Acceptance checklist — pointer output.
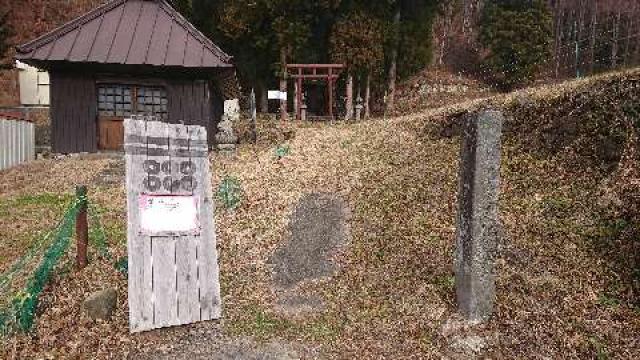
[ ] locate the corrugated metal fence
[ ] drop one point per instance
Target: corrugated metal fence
(17, 142)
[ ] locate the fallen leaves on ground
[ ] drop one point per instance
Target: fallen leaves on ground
(563, 289)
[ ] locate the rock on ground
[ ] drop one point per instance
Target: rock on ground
(101, 305)
(112, 174)
(317, 229)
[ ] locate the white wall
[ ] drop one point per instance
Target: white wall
(34, 85)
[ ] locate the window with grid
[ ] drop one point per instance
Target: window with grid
(125, 100)
(152, 101)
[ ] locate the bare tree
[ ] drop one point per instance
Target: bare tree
(615, 38)
(594, 31)
(283, 83)
(393, 69)
(448, 12)
(367, 96)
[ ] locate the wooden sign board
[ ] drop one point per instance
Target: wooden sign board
(173, 262)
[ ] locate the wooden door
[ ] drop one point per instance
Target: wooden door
(110, 133)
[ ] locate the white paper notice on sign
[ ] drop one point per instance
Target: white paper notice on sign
(168, 215)
(277, 95)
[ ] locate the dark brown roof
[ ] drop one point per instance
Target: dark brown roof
(131, 32)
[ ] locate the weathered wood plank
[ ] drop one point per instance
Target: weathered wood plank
(187, 280)
(185, 251)
(210, 302)
(164, 248)
(164, 281)
(139, 251)
(188, 284)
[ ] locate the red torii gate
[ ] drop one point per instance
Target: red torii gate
(301, 72)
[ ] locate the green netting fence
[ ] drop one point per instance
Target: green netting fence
(18, 310)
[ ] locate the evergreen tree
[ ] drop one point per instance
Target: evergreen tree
(408, 38)
(205, 16)
(265, 34)
(415, 43)
(357, 40)
(516, 35)
(184, 7)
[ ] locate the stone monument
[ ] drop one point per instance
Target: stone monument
(477, 231)
(226, 138)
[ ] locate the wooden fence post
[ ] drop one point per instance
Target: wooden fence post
(82, 228)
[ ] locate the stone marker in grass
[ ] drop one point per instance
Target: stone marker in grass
(477, 229)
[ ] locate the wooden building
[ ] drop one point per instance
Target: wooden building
(123, 58)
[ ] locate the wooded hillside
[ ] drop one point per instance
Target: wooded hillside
(588, 36)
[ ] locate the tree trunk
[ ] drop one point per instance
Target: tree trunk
(283, 82)
(614, 47)
(576, 51)
(627, 46)
(559, 35)
(393, 69)
(263, 102)
(367, 97)
(579, 55)
(466, 18)
(349, 100)
(448, 15)
(594, 30)
(636, 56)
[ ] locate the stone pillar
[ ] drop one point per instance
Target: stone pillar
(477, 230)
(254, 115)
(359, 108)
(349, 99)
(296, 99)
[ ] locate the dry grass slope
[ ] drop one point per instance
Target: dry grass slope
(568, 267)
